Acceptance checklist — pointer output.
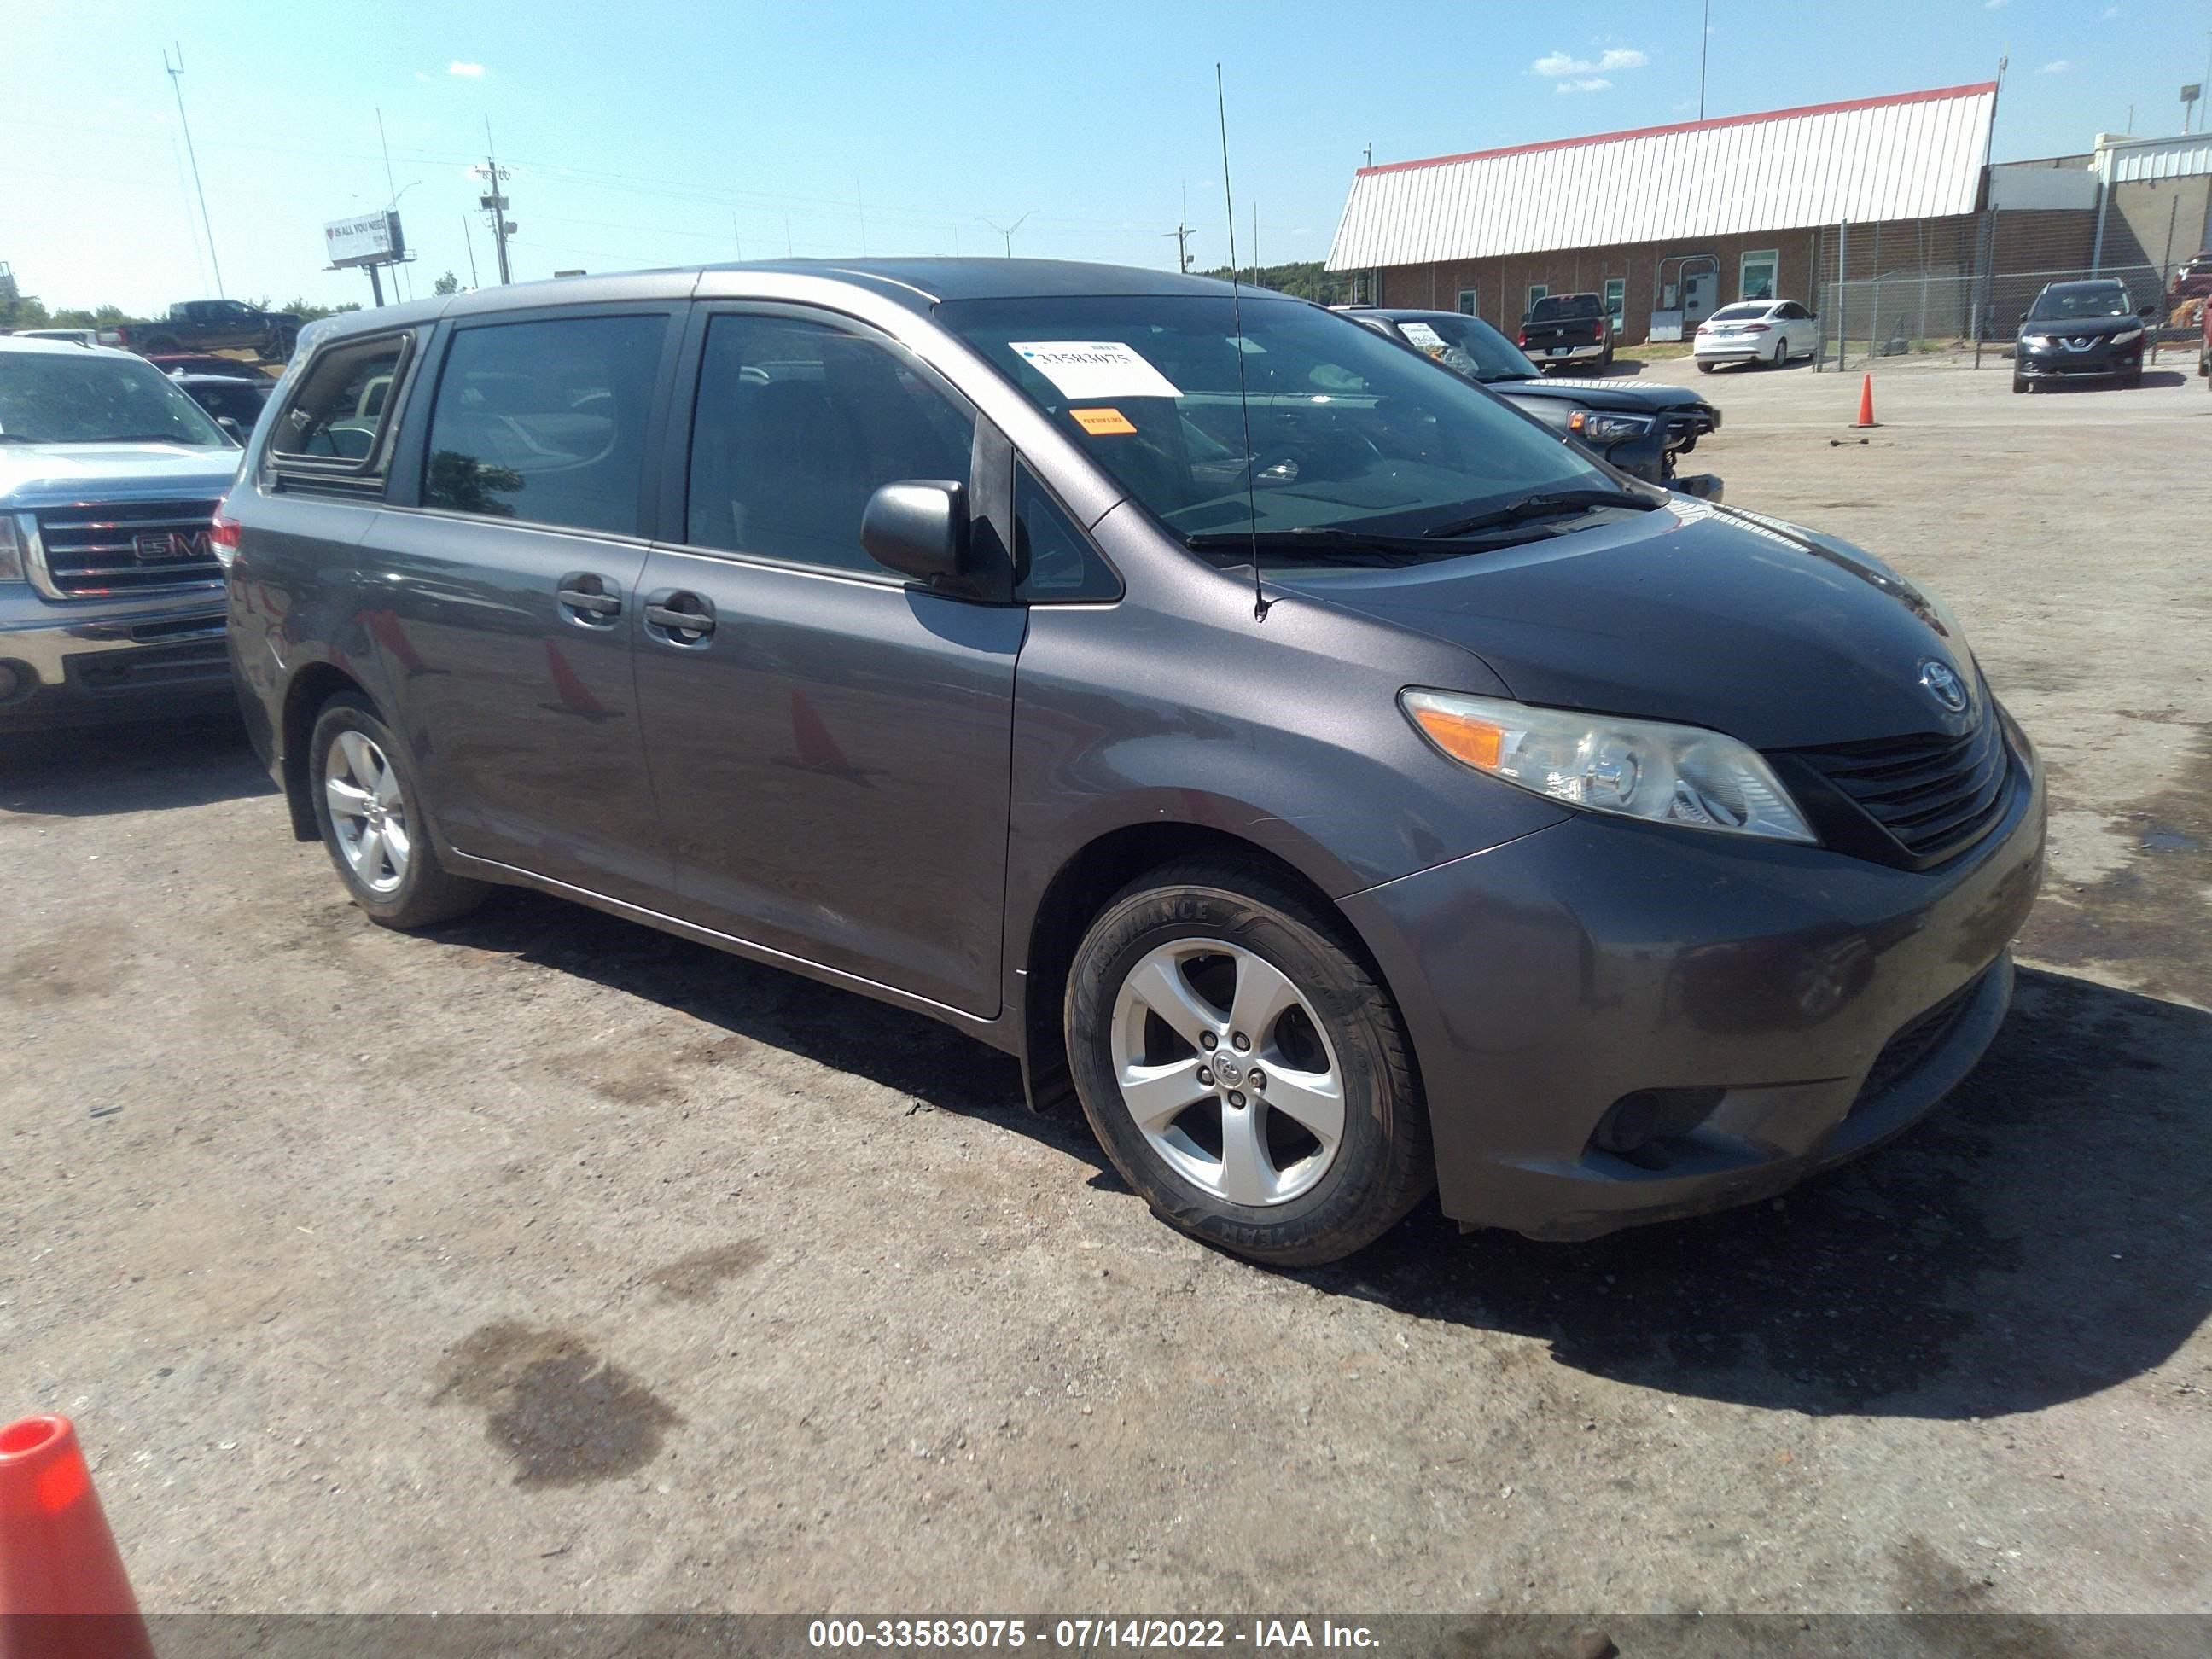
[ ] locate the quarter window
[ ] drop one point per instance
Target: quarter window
(798, 423)
(1053, 560)
(545, 422)
(335, 421)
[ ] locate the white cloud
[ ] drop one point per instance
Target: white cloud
(1553, 64)
(2110, 13)
(2056, 66)
(1991, 5)
(419, 76)
(469, 71)
(1589, 83)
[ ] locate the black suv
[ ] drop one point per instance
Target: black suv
(1336, 783)
(1643, 430)
(2081, 331)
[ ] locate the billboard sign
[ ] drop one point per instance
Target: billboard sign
(371, 239)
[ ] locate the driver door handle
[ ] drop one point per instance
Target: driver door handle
(603, 605)
(684, 618)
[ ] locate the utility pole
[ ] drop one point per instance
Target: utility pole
(1371, 156)
(176, 83)
(1256, 244)
(1182, 234)
(390, 205)
(1705, 41)
(493, 201)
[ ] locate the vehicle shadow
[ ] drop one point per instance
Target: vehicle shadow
(913, 1055)
(2041, 1237)
(91, 771)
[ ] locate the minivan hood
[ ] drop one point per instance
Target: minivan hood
(1695, 613)
(1600, 394)
(37, 475)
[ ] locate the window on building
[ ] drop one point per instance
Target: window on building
(798, 424)
(1469, 303)
(1537, 291)
(1616, 299)
(1758, 276)
(544, 422)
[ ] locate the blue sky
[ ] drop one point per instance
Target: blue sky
(646, 133)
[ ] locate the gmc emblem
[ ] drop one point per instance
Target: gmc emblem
(162, 546)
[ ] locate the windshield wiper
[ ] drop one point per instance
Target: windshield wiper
(1317, 541)
(1545, 504)
(18, 438)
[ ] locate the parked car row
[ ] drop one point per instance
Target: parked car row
(1130, 677)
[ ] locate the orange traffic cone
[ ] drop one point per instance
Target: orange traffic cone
(63, 1592)
(1866, 402)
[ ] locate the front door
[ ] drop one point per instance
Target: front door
(829, 746)
(504, 605)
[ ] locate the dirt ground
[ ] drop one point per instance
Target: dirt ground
(551, 1263)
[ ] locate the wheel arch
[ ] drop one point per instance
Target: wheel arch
(314, 685)
(1080, 890)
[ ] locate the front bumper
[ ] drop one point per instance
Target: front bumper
(1802, 1004)
(2098, 361)
(115, 663)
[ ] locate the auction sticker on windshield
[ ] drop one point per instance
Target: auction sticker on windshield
(1102, 422)
(1424, 337)
(1094, 368)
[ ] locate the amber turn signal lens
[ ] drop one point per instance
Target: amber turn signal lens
(1477, 742)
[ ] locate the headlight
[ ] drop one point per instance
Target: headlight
(1682, 775)
(11, 548)
(2127, 335)
(1595, 427)
(2035, 339)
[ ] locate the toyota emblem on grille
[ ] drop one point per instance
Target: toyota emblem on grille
(1943, 684)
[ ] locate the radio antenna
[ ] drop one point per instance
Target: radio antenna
(1260, 599)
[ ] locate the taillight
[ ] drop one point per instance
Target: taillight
(1523, 340)
(222, 537)
(1757, 328)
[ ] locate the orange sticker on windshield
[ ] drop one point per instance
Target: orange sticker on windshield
(1102, 422)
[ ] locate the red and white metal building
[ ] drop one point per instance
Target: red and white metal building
(1670, 222)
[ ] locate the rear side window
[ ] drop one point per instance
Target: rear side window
(334, 423)
(545, 422)
(798, 424)
(1053, 560)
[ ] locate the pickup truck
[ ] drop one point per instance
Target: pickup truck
(1644, 430)
(112, 588)
(1565, 328)
(215, 325)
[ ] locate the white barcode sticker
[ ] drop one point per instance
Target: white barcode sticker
(1094, 368)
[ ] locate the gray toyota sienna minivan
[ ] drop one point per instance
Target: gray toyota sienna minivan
(1338, 782)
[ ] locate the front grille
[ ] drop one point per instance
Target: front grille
(1934, 794)
(128, 547)
(1683, 427)
(1915, 1041)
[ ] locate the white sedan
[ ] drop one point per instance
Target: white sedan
(1770, 331)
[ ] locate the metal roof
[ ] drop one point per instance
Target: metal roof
(1913, 156)
(2132, 161)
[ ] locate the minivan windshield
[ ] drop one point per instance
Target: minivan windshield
(2057, 304)
(1350, 432)
(76, 398)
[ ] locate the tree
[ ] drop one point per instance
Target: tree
(447, 283)
(1305, 279)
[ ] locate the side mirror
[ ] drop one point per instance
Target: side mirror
(231, 426)
(2149, 313)
(918, 527)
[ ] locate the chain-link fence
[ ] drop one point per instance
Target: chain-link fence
(1961, 287)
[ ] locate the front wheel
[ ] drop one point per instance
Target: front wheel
(369, 806)
(1242, 1066)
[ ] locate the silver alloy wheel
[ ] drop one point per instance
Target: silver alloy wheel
(1210, 1106)
(367, 813)
(1781, 351)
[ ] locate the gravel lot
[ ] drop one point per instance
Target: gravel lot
(550, 1263)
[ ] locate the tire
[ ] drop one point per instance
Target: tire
(1605, 363)
(1781, 353)
(396, 881)
(2018, 384)
(160, 345)
(281, 345)
(1704, 369)
(1188, 937)
(2132, 376)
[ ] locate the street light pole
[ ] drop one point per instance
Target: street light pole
(177, 82)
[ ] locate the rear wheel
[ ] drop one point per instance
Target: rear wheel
(1781, 353)
(1703, 367)
(1242, 1066)
(160, 345)
(369, 807)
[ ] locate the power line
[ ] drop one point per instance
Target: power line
(176, 73)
